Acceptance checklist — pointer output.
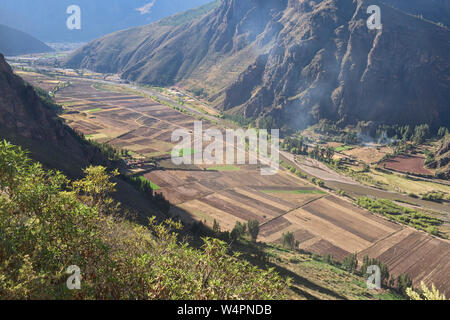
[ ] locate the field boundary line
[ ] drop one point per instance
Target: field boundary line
(294, 209)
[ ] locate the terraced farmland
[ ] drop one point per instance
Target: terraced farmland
(322, 223)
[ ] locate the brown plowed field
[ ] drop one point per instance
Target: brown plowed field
(407, 164)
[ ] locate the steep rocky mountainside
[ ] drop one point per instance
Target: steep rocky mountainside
(25, 121)
(14, 42)
(298, 61)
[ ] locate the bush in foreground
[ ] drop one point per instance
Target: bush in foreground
(48, 223)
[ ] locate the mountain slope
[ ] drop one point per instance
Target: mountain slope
(14, 42)
(433, 10)
(24, 120)
(297, 61)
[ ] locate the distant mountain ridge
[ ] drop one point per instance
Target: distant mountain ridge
(437, 11)
(14, 42)
(296, 61)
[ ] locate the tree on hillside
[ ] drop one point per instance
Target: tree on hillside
(421, 133)
(253, 229)
(442, 132)
(216, 227)
(330, 153)
(403, 282)
(238, 231)
(288, 240)
(350, 263)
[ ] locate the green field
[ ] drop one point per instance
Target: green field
(94, 110)
(343, 148)
(182, 152)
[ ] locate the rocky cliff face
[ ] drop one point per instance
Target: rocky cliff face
(25, 121)
(298, 61)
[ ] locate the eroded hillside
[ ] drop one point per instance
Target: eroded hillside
(297, 61)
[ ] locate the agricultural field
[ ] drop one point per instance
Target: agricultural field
(368, 155)
(407, 164)
(321, 222)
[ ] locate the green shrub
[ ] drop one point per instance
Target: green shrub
(394, 212)
(48, 223)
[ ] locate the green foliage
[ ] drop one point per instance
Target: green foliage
(433, 196)
(47, 100)
(238, 119)
(318, 182)
(401, 214)
(238, 231)
(421, 133)
(253, 229)
(199, 92)
(294, 170)
(350, 263)
(108, 151)
(442, 132)
(268, 123)
(288, 240)
(48, 223)
(140, 183)
(403, 283)
(295, 145)
(429, 155)
(425, 293)
(216, 227)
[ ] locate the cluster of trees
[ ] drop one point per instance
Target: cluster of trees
(400, 284)
(411, 217)
(417, 134)
(199, 92)
(435, 196)
(295, 145)
(48, 223)
(268, 122)
(251, 228)
(145, 186)
(294, 170)
(322, 153)
(47, 100)
(109, 151)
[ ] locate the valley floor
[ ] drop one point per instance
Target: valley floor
(322, 222)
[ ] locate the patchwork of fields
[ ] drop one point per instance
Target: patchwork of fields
(322, 223)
